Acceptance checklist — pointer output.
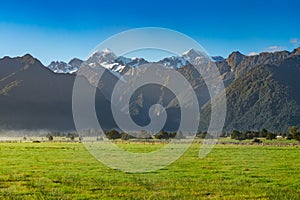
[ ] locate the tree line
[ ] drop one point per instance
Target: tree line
(114, 134)
(293, 133)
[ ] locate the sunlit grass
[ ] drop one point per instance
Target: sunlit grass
(68, 171)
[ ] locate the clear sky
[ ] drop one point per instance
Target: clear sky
(61, 30)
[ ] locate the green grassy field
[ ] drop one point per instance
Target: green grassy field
(67, 171)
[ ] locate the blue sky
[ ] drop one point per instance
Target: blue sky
(61, 30)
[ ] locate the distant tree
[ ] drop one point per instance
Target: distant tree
(172, 134)
(223, 134)
(294, 131)
(126, 136)
(179, 135)
(113, 135)
(162, 135)
(72, 137)
(234, 134)
(237, 135)
(271, 136)
(289, 136)
(250, 135)
(284, 135)
(297, 136)
(50, 138)
(256, 140)
(263, 133)
(201, 135)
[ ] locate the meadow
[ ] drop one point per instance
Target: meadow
(66, 170)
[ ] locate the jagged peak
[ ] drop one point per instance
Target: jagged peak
(99, 54)
(27, 55)
(236, 53)
(57, 62)
(28, 58)
(107, 50)
(191, 52)
(296, 51)
(235, 58)
(218, 58)
(75, 60)
(102, 52)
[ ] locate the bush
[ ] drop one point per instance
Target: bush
(297, 136)
(271, 136)
(165, 135)
(126, 136)
(289, 137)
(201, 135)
(50, 138)
(263, 133)
(113, 135)
(179, 135)
(256, 140)
(72, 137)
(294, 133)
(293, 130)
(162, 135)
(237, 135)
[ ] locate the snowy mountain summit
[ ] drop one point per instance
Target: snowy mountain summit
(110, 61)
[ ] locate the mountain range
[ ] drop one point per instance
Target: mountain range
(262, 90)
(115, 64)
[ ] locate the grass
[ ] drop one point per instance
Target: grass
(67, 171)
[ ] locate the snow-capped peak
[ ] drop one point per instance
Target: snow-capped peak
(103, 52)
(196, 57)
(191, 52)
(173, 62)
(107, 51)
(65, 68)
(102, 57)
(124, 60)
(108, 60)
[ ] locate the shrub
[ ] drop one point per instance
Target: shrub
(263, 133)
(126, 136)
(50, 138)
(179, 135)
(256, 140)
(201, 135)
(271, 136)
(165, 135)
(113, 134)
(294, 132)
(297, 136)
(237, 135)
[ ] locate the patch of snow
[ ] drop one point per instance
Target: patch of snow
(107, 59)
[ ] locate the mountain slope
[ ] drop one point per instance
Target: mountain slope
(32, 96)
(267, 96)
(262, 91)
